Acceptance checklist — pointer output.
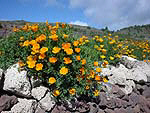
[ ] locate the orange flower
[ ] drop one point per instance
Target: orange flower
(21, 64)
(42, 56)
(39, 66)
(92, 73)
(56, 93)
(31, 64)
(53, 32)
(56, 50)
(52, 80)
(72, 91)
(87, 87)
(67, 60)
(104, 51)
(52, 60)
(78, 58)
(32, 42)
(82, 70)
(65, 36)
(54, 37)
(98, 70)
(35, 47)
(83, 61)
(43, 50)
(66, 46)
(34, 28)
(63, 71)
(105, 63)
(75, 43)
(63, 25)
(77, 50)
(98, 78)
(69, 51)
(41, 38)
(95, 63)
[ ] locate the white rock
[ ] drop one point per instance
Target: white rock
(144, 67)
(128, 61)
(47, 103)
(39, 92)
(137, 75)
(128, 87)
(119, 75)
(17, 82)
(107, 71)
(24, 106)
(1, 75)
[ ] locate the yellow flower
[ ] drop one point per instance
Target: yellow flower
(83, 61)
(101, 46)
(65, 36)
(26, 43)
(72, 91)
(63, 71)
(96, 93)
(52, 60)
(39, 66)
(56, 93)
(56, 50)
(109, 34)
(78, 58)
(101, 40)
(95, 63)
(95, 46)
(69, 51)
(31, 64)
(75, 43)
(42, 56)
(21, 38)
(67, 60)
(102, 56)
(105, 80)
(111, 58)
(43, 50)
(98, 70)
(52, 80)
(77, 50)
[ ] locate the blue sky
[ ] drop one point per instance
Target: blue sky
(115, 14)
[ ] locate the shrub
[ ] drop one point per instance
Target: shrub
(60, 61)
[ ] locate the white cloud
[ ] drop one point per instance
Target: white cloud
(79, 23)
(114, 13)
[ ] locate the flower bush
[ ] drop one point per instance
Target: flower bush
(67, 65)
(52, 54)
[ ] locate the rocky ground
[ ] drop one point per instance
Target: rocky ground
(128, 92)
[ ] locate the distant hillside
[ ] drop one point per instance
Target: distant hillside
(135, 32)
